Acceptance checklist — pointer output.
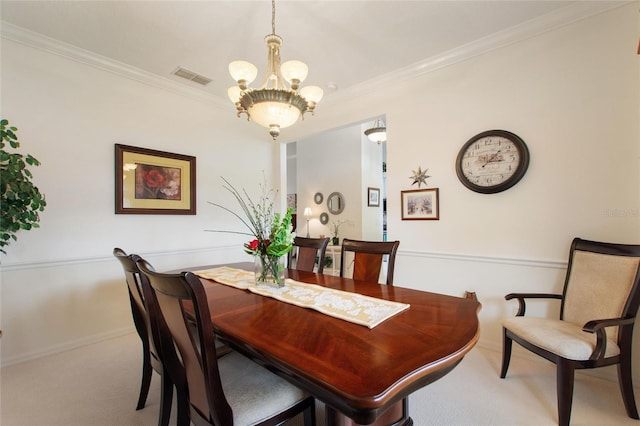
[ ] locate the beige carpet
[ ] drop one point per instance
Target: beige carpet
(99, 384)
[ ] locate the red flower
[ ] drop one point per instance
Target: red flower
(153, 178)
(253, 245)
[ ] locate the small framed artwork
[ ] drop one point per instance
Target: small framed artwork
(373, 195)
(154, 182)
(292, 201)
(420, 204)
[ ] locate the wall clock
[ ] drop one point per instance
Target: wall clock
(492, 161)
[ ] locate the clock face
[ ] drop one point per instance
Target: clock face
(492, 161)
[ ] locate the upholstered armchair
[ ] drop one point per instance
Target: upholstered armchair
(598, 307)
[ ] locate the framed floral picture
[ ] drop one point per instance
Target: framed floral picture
(154, 182)
(420, 204)
(373, 197)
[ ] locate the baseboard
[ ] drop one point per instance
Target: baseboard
(67, 346)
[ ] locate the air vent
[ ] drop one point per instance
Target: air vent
(190, 75)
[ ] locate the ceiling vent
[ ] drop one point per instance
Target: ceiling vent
(190, 75)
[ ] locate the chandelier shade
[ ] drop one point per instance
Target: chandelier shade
(313, 94)
(273, 105)
(243, 72)
(295, 72)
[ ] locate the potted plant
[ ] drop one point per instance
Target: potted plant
(21, 200)
(335, 240)
(272, 233)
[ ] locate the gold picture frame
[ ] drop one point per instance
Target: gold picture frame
(154, 182)
(420, 204)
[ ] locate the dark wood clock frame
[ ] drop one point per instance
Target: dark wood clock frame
(521, 168)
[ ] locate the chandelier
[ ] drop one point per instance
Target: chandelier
(273, 105)
(378, 133)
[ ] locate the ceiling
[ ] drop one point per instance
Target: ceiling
(345, 43)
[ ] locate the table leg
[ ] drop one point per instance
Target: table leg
(396, 415)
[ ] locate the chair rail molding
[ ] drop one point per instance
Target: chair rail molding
(485, 259)
(101, 259)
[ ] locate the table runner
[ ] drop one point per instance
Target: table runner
(238, 278)
(352, 307)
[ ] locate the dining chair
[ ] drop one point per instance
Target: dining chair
(368, 258)
(306, 251)
(151, 359)
(221, 391)
(598, 306)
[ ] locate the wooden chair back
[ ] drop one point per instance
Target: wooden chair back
(194, 340)
(306, 250)
(151, 356)
(185, 331)
(368, 258)
(138, 309)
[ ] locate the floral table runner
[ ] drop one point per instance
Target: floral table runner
(238, 278)
(352, 307)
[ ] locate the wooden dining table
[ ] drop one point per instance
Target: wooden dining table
(363, 376)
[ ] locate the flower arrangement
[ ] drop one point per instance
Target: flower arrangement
(272, 233)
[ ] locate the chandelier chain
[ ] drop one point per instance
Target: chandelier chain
(273, 17)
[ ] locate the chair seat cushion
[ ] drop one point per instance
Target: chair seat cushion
(254, 393)
(559, 337)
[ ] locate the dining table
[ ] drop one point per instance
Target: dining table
(362, 374)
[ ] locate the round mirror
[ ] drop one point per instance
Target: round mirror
(324, 218)
(318, 198)
(335, 203)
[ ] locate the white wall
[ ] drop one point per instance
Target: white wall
(371, 163)
(571, 94)
(292, 176)
(326, 163)
(60, 284)
(341, 160)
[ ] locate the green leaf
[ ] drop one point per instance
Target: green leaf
(21, 201)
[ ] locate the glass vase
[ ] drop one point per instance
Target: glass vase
(269, 270)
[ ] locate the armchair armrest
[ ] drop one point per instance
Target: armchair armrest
(598, 326)
(522, 296)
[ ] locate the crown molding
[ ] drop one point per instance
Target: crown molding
(575, 12)
(29, 38)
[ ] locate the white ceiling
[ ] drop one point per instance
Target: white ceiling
(345, 43)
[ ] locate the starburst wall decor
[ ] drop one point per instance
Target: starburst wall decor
(419, 177)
